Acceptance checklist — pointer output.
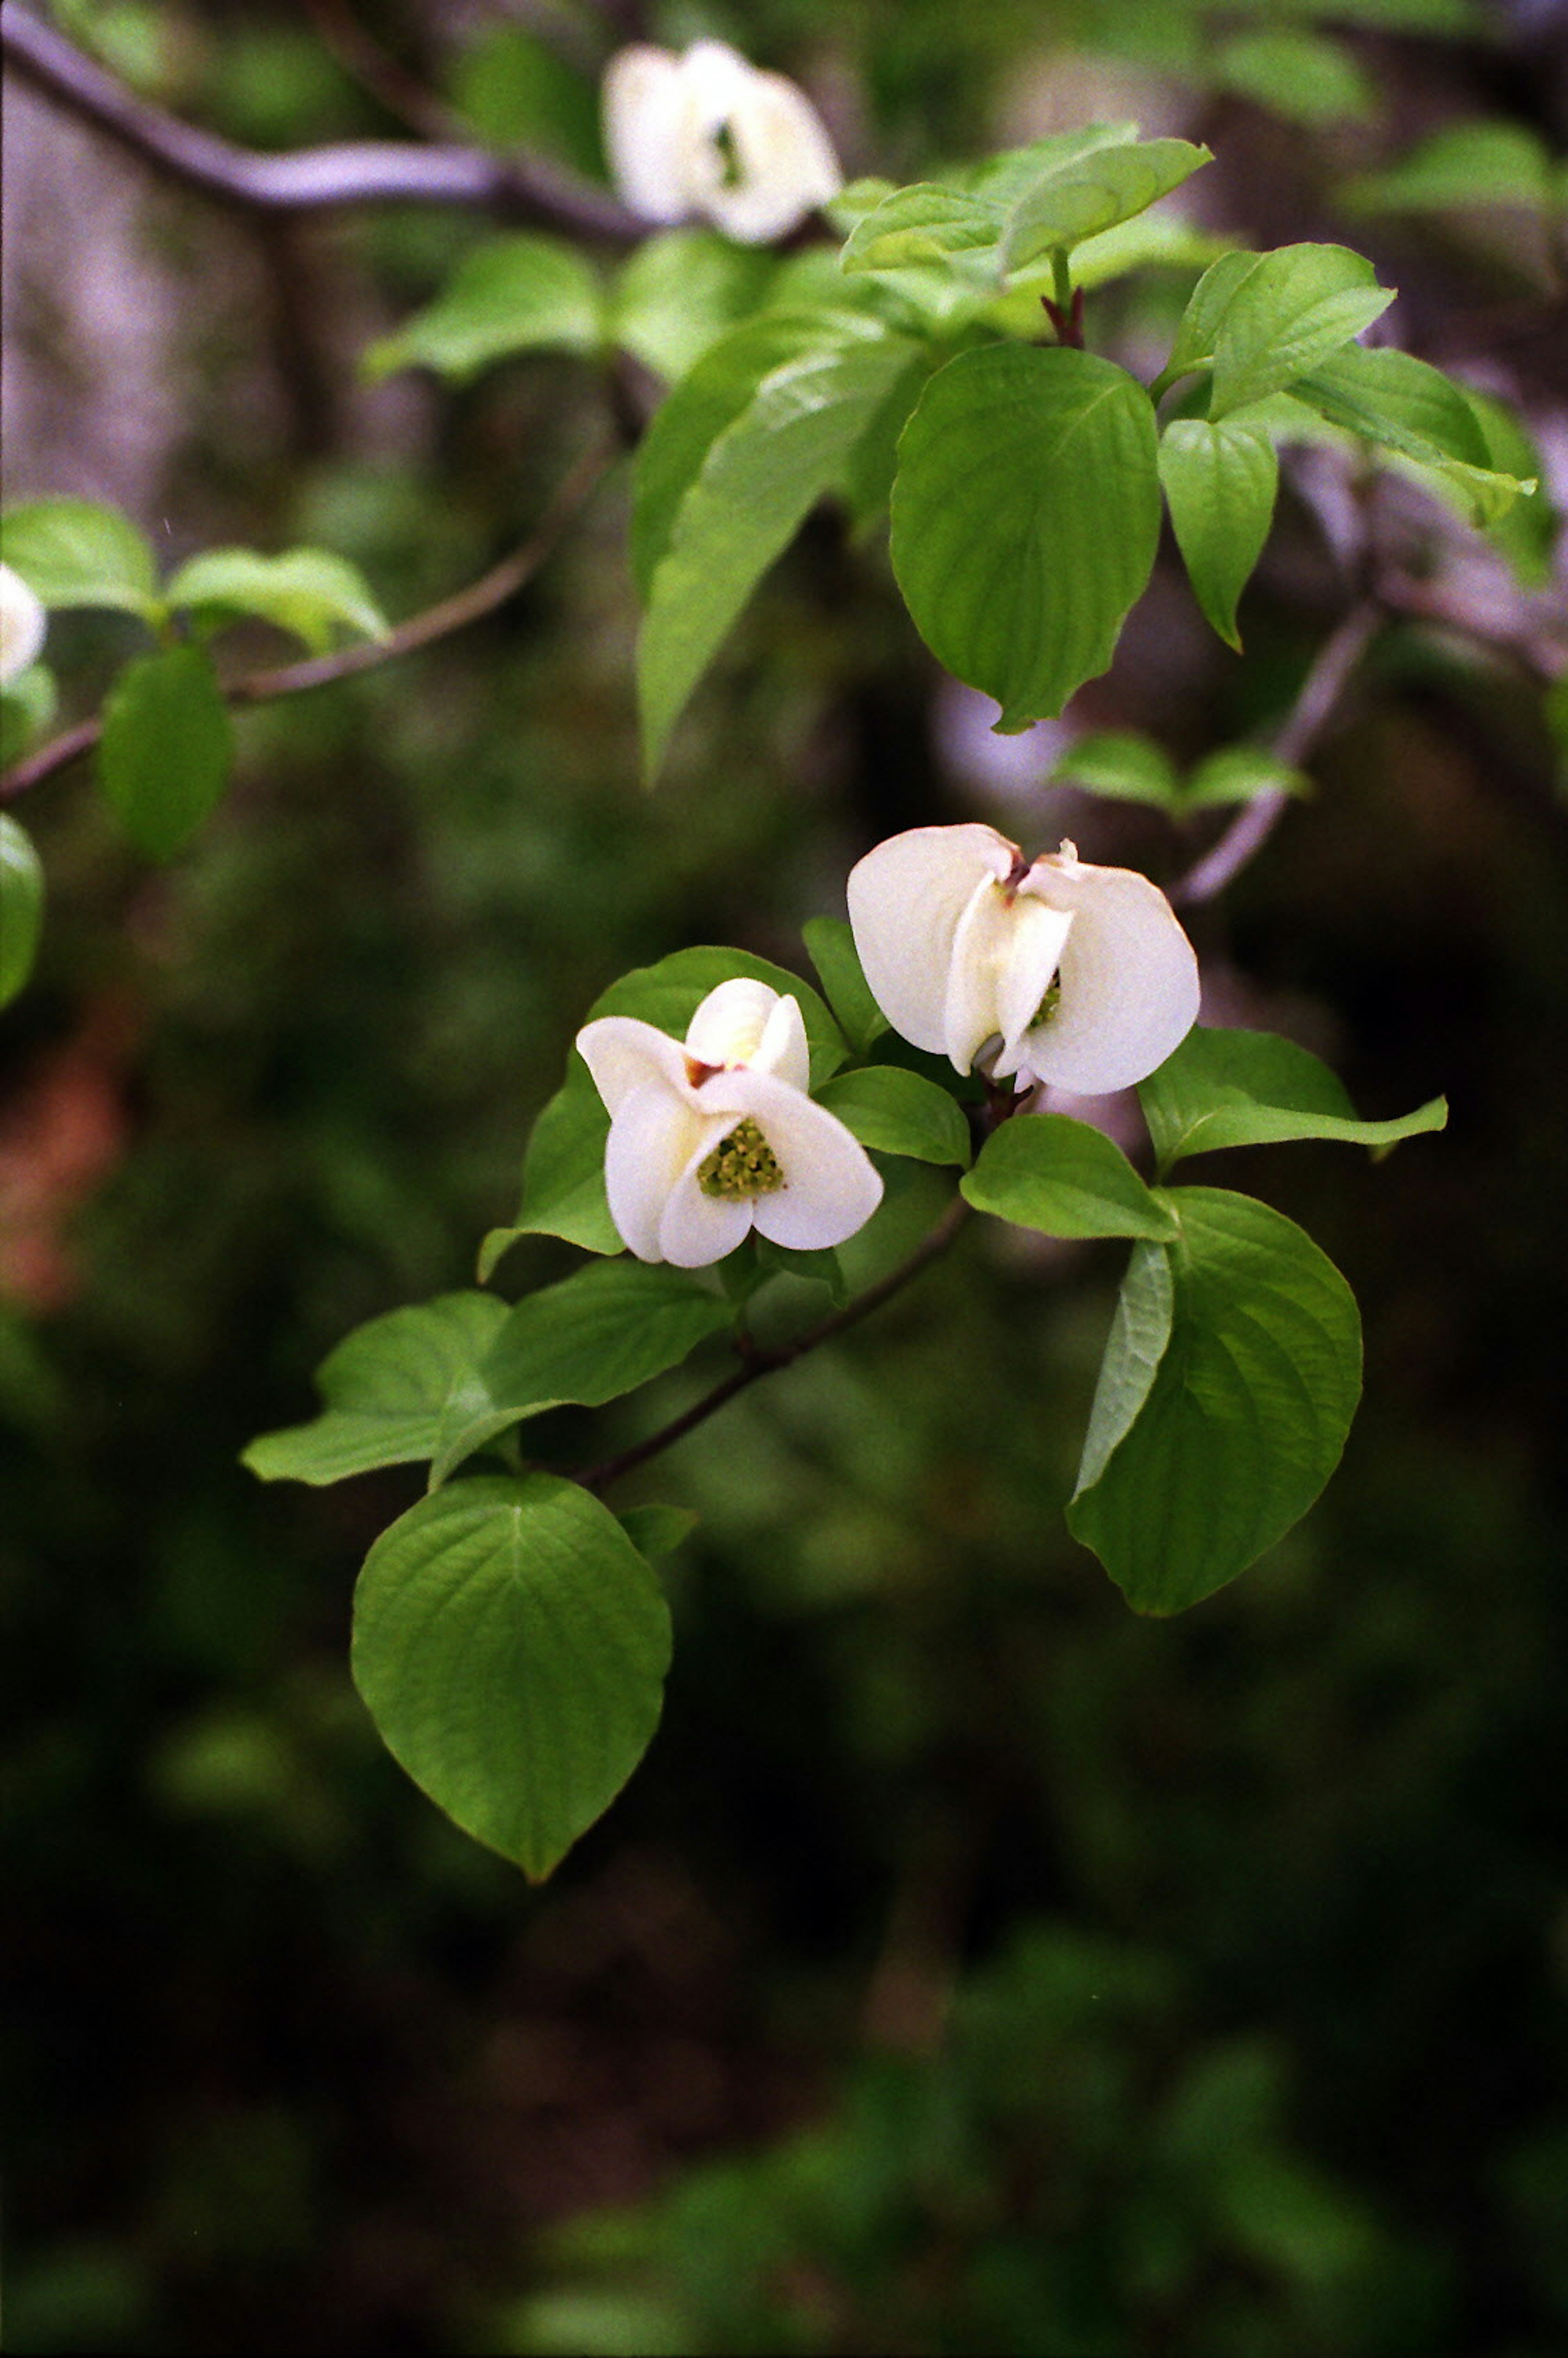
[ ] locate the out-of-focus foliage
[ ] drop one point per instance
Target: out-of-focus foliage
(974, 1964)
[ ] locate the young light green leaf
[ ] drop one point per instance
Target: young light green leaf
(924, 223)
(1249, 1088)
(680, 292)
(78, 553)
(167, 744)
(308, 591)
(1404, 405)
(1245, 1417)
(21, 906)
(1094, 193)
(1286, 316)
(1207, 307)
(600, 1332)
(1465, 164)
(1025, 518)
(830, 944)
(511, 1644)
(1297, 74)
(1139, 1333)
(522, 293)
(757, 484)
(1010, 175)
(1123, 766)
(385, 1387)
(1526, 532)
(1220, 482)
(1239, 774)
(1045, 1170)
(898, 1112)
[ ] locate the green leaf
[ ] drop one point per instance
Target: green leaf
(27, 705)
(1526, 532)
(830, 944)
(1011, 173)
(680, 292)
(21, 906)
(386, 1387)
(600, 1332)
(516, 90)
(1249, 1088)
(1025, 519)
(308, 591)
(1288, 313)
(511, 1645)
(1467, 164)
(1206, 306)
(520, 293)
(76, 553)
(164, 754)
(1219, 481)
(1123, 766)
(563, 1173)
(1095, 192)
(898, 1112)
(1298, 75)
(1139, 1333)
(1246, 1415)
(1404, 405)
(657, 1532)
(794, 442)
(924, 223)
(1045, 1170)
(1239, 774)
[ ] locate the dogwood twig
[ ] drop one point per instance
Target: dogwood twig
(439, 621)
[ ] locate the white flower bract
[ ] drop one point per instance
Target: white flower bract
(1083, 975)
(705, 134)
(715, 1135)
(23, 623)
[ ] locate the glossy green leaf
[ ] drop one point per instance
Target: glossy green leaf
(308, 591)
(1286, 316)
(924, 224)
(1025, 518)
(511, 1645)
(1094, 193)
(1239, 774)
(1464, 165)
(1249, 1088)
(1207, 307)
(21, 906)
(79, 553)
(793, 442)
(563, 1173)
(1123, 766)
(167, 748)
(515, 293)
(1009, 174)
(1526, 531)
(1220, 480)
(1139, 1333)
(1297, 74)
(680, 292)
(386, 1388)
(898, 1112)
(1406, 406)
(600, 1332)
(1045, 1170)
(830, 946)
(1246, 1413)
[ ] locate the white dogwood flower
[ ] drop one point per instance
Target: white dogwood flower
(711, 1136)
(22, 627)
(1082, 974)
(705, 134)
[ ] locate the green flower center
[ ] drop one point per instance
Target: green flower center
(1047, 1007)
(742, 1164)
(730, 173)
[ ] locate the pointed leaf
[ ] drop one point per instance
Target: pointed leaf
(1025, 518)
(924, 223)
(1045, 1170)
(830, 944)
(386, 1387)
(1404, 404)
(1206, 306)
(523, 293)
(308, 591)
(1220, 480)
(1092, 195)
(79, 553)
(1287, 315)
(511, 1644)
(167, 744)
(898, 1112)
(1006, 177)
(1139, 1333)
(1246, 1413)
(21, 906)
(1248, 1089)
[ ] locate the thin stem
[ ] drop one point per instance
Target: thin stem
(1315, 703)
(439, 621)
(366, 171)
(759, 1363)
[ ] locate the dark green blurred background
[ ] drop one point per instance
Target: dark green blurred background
(971, 1966)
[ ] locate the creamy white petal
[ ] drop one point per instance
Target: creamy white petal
(23, 623)
(648, 135)
(831, 1185)
(782, 165)
(906, 900)
(696, 1229)
(980, 945)
(729, 1025)
(653, 1138)
(623, 1054)
(1128, 978)
(1036, 937)
(784, 1047)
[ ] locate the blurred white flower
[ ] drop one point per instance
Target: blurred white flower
(1083, 975)
(713, 1137)
(22, 625)
(705, 134)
